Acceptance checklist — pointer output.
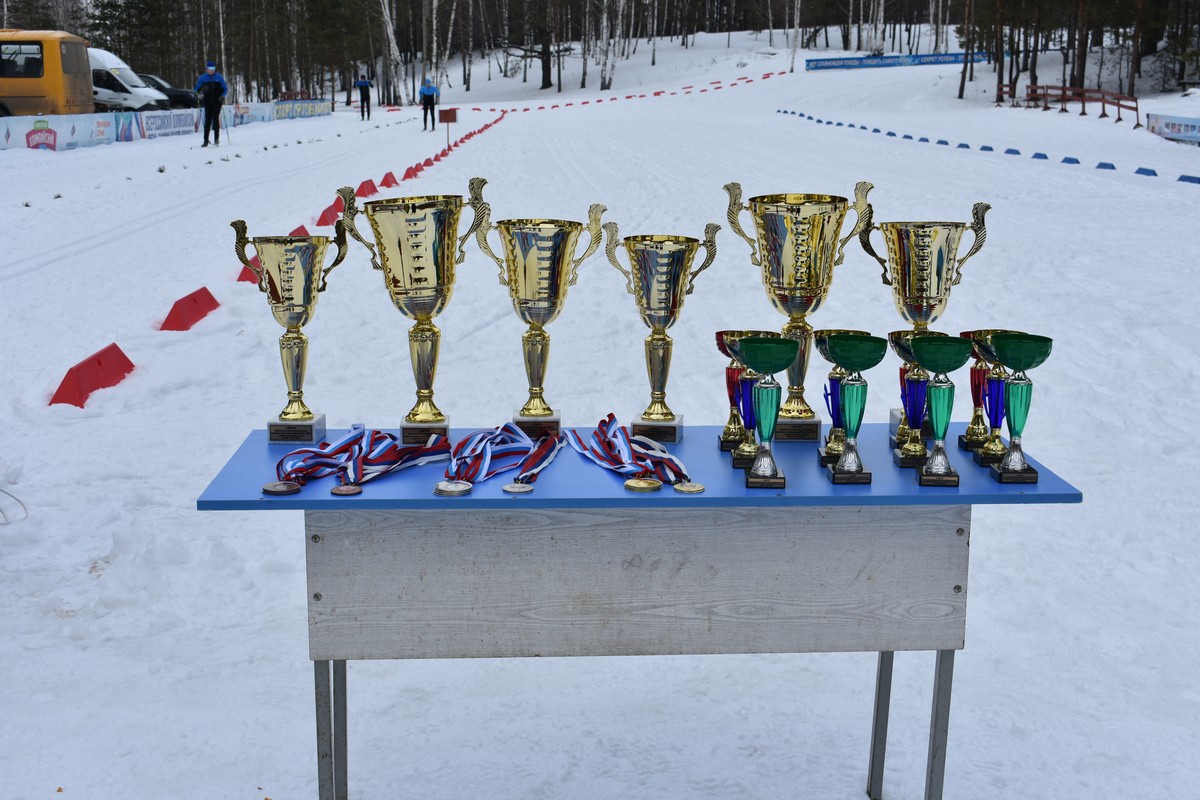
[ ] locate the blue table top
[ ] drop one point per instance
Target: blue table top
(572, 481)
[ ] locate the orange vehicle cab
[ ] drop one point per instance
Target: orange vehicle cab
(44, 72)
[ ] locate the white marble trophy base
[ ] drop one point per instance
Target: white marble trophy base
(419, 432)
(290, 432)
(537, 427)
(661, 432)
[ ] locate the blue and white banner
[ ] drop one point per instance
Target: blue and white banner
(1179, 129)
(860, 62)
(176, 122)
(292, 109)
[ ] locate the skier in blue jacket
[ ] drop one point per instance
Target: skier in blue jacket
(364, 96)
(429, 98)
(211, 87)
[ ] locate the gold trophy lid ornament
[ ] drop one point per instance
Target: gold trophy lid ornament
(660, 278)
(291, 272)
(538, 266)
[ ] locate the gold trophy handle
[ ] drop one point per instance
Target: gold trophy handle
(977, 212)
(610, 250)
(462, 240)
(339, 238)
(350, 210)
(595, 211)
(710, 252)
(864, 239)
(239, 246)
(483, 223)
(863, 211)
(734, 190)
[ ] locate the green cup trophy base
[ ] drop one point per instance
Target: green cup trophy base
(537, 427)
(763, 482)
(836, 477)
(908, 462)
(950, 479)
(740, 461)
(296, 431)
(1028, 475)
(825, 458)
(797, 430)
(970, 445)
(662, 432)
(986, 459)
(419, 432)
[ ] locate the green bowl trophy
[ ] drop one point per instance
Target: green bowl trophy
(744, 454)
(992, 449)
(796, 247)
(835, 440)
(912, 421)
(734, 432)
(922, 266)
(289, 272)
(1019, 352)
(417, 247)
(766, 356)
(854, 353)
(659, 278)
(941, 355)
(539, 264)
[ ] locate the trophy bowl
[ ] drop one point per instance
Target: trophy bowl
(797, 244)
(417, 248)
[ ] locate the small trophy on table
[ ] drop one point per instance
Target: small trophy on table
(835, 440)
(1019, 352)
(854, 353)
(766, 356)
(940, 355)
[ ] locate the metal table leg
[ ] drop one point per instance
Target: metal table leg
(879, 725)
(340, 771)
(939, 725)
(331, 729)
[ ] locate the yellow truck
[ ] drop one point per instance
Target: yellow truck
(44, 72)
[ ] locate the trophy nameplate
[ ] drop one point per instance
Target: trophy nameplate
(937, 480)
(847, 477)
(537, 427)
(1027, 475)
(419, 432)
(662, 432)
(296, 432)
(798, 430)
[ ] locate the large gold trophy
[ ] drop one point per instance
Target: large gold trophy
(417, 247)
(922, 266)
(292, 277)
(797, 247)
(659, 278)
(539, 264)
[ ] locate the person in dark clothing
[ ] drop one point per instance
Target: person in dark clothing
(211, 88)
(429, 98)
(364, 96)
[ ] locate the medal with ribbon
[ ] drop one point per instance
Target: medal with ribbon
(361, 455)
(648, 462)
(488, 452)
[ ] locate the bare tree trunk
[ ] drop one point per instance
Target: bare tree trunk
(795, 33)
(389, 27)
(1135, 47)
(998, 49)
(967, 47)
(1081, 44)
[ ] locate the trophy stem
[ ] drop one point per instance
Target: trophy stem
(745, 453)
(766, 410)
(734, 431)
(293, 352)
(535, 347)
(977, 428)
(796, 407)
(849, 461)
(423, 341)
(658, 366)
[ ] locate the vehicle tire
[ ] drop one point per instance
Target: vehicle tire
(3, 111)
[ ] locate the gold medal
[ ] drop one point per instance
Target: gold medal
(346, 489)
(689, 487)
(643, 484)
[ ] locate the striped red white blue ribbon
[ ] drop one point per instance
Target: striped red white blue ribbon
(484, 453)
(611, 446)
(361, 455)
(539, 458)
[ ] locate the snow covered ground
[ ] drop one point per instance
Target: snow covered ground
(149, 650)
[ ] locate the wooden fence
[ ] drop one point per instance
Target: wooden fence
(1043, 97)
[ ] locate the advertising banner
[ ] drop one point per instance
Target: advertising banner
(57, 132)
(176, 122)
(293, 109)
(861, 62)
(1179, 129)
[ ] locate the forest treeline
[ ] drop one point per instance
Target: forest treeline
(267, 47)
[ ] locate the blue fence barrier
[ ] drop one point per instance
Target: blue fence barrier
(861, 62)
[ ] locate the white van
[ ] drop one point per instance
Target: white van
(116, 86)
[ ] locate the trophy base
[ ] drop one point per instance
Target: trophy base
(797, 430)
(729, 445)
(309, 432)
(763, 482)
(537, 427)
(937, 480)
(825, 458)
(1028, 475)
(970, 444)
(908, 462)
(742, 462)
(836, 477)
(985, 460)
(419, 432)
(661, 432)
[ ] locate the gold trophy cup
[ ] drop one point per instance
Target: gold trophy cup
(797, 247)
(922, 266)
(292, 277)
(417, 247)
(659, 279)
(539, 264)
